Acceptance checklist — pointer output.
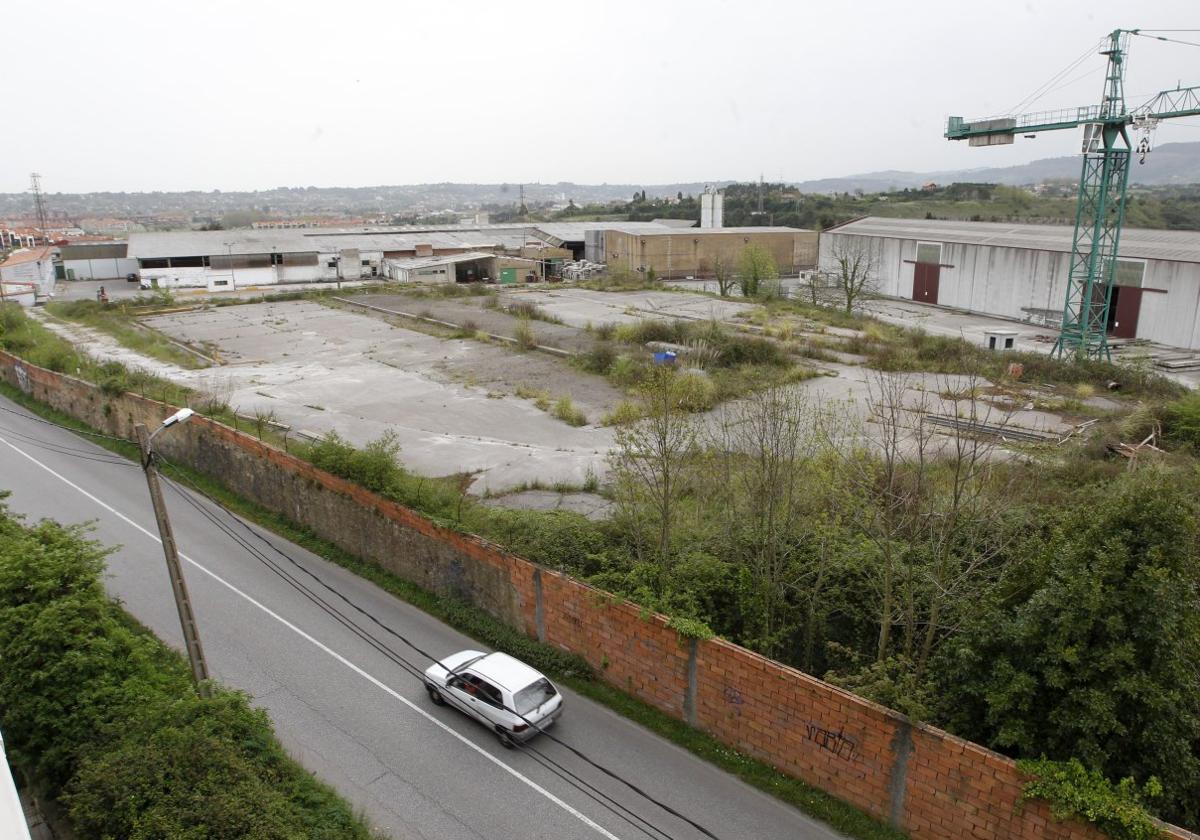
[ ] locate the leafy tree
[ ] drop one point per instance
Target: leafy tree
(1099, 659)
(755, 266)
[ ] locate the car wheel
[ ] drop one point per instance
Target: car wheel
(506, 740)
(436, 697)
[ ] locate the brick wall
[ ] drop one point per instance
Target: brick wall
(933, 785)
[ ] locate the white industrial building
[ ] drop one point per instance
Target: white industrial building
(95, 261)
(220, 260)
(30, 270)
(1021, 271)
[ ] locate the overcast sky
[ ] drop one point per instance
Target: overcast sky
(208, 95)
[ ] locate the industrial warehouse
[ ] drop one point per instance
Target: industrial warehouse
(227, 260)
(1020, 271)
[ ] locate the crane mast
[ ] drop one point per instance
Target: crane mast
(1103, 183)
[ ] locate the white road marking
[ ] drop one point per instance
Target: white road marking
(508, 769)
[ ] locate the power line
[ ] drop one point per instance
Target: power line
(29, 416)
(1142, 33)
(1041, 90)
(115, 460)
(401, 637)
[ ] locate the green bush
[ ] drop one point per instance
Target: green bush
(599, 359)
(374, 466)
(104, 715)
(1182, 420)
(1074, 792)
(693, 391)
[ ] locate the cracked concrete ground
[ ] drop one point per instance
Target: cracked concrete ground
(321, 369)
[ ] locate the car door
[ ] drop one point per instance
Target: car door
(477, 697)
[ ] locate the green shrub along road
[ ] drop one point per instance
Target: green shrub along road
(105, 717)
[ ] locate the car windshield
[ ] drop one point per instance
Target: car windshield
(531, 696)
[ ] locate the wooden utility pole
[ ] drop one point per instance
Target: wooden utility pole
(187, 621)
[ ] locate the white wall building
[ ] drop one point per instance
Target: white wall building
(1021, 271)
(33, 267)
(96, 261)
(220, 260)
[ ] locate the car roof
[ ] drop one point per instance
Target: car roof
(505, 671)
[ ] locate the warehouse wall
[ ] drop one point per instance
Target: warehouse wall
(690, 253)
(1026, 284)
(933, 785)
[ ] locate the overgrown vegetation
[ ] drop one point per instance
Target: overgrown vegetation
(1074, 792)
(713, 363)
(119, 320)
(104, 715)
(1045, 608)
(25, 337)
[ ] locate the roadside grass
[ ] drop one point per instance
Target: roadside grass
(25, 337)
(569, 669)
(119, 320)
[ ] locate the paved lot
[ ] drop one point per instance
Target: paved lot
(321, 369)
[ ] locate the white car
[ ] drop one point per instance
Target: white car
(502, 693)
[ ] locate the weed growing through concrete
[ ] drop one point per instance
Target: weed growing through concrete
(566, 411)
(525, 336)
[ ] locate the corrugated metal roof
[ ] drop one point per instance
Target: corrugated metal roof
(1177, 245)
(666, 231)
(207, 243)
(427, 262)
(577, 231)
(191, 243)
(439, 240)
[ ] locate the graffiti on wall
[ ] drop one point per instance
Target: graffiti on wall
(22, 377)
(838, 742)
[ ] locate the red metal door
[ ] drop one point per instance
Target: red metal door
(1127, 305)
(925, 282)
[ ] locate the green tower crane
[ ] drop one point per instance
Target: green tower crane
(1100, 211)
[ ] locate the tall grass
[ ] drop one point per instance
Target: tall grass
(119, 321)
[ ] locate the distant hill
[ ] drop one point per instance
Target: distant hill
(1170, 163)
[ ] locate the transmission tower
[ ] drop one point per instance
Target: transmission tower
(39, 203)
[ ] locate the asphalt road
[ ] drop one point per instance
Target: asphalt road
(346, 710)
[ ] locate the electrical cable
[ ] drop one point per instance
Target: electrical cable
(37, 419)
(1142, 33)
(1041, 90)
(391, 631)
(115, 460)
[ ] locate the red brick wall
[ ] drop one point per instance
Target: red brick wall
(935, 786)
